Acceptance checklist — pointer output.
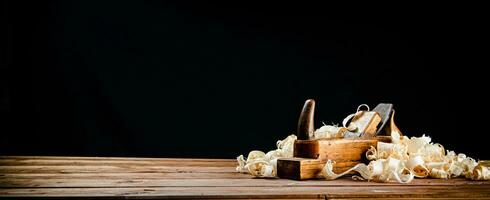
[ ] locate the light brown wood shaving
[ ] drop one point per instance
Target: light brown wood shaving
(260, 164)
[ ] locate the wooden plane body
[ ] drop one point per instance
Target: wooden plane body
(310, 156)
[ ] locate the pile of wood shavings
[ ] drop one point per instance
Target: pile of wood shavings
(406, 158)
(401, 160)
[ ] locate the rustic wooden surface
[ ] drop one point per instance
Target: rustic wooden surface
(154, 178)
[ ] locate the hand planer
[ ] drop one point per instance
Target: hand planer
(310, 154)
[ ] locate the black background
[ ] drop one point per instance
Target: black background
(195, 79)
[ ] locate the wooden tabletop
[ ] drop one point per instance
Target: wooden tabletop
(154, 178)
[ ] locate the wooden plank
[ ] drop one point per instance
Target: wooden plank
(81, 158)
(51, 162)
(112, 169)
(216, 182)
(223, 175)
(255, 192)
(182, 175)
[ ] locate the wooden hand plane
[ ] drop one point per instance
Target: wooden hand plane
(310, 154)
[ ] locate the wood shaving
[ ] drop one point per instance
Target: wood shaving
(329, 131)
(328, 173)
(352, 126)
(260, 164)
(481, 171)
(416, 165)
(381, 170)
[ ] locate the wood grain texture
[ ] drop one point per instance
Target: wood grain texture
(155, 178)
(299, 168)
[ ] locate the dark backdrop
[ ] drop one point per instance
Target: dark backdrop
(195, 79)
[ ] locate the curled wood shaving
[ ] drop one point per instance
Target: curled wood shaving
(352, 126)
(385, 150)
(329, 131)
(382, 170)
(481, 171)
(262, 164)
(328, 173)
(416, 165)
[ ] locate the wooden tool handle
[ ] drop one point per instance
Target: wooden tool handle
(306, 125)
